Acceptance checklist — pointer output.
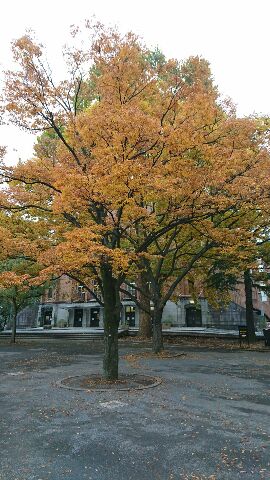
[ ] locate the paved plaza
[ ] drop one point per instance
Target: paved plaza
(208, 419)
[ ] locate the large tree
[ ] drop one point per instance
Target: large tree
(210, 254)
(136, 148)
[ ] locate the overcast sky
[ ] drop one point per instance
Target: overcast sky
(233, 35)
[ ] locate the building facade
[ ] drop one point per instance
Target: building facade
(68, 304)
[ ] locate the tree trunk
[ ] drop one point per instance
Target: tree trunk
(249, 306)
(145, 323)
(111, 323)
(157, 330)
(13, 328)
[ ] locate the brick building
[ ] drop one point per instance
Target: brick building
(67, 304)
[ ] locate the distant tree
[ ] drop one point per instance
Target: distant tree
(248, 267)
(16, 291)
(20, 240)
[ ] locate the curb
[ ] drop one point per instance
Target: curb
(156, 381)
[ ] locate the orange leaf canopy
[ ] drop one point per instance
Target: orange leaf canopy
(136, 147)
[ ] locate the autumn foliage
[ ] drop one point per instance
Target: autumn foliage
(140, 165)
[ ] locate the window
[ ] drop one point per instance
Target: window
(130, 309)
(263, 296)
(50, 293)
(131, 289)
(81, 292)
(96, 289)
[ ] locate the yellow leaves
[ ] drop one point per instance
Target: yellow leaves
(12, 279)
(146, 146)
(79, 247)
(83, 251)
(122, 66)
(15, 243)
(25, 46)
(40, 169)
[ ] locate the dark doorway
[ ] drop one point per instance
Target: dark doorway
(193, 317)
(46, 317)
(94, 317)
(78, 316)
(130, 316)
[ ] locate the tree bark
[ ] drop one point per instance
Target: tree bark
(145, 325)
(112, 306)
(13, 328)
(249, 306)
(145, 322)
(157, 346)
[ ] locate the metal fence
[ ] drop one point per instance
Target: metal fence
(231, 317)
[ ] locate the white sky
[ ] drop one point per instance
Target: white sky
(232, 34)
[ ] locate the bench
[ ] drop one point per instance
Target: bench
(266, 333)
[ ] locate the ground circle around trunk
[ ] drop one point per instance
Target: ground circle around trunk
(97, 383)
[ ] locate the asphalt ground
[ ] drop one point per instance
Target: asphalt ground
(209, 419)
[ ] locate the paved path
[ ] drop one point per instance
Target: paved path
(208, 420)
(174, 331)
